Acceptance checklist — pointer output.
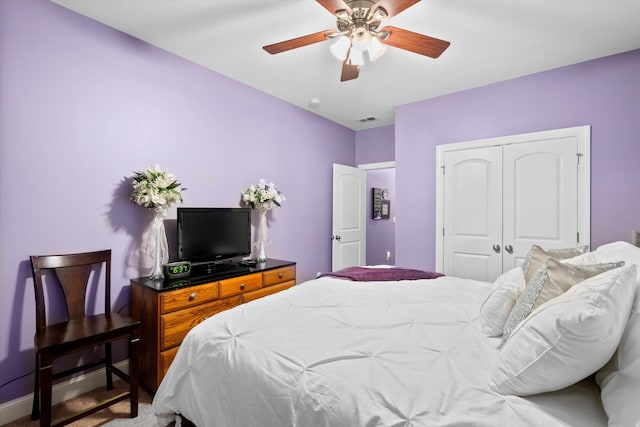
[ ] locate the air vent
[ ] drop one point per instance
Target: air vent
(367, 119)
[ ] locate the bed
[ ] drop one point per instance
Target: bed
(335, 352)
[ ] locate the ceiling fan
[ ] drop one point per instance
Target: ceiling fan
(358, 22)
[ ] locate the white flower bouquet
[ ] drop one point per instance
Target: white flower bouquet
(156, 189)
(263, 195)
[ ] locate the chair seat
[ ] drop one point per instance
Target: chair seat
(87, 332)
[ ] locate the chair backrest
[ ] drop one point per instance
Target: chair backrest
(73, 272)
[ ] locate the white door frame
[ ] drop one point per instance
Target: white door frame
(583, 136)
(380, 165)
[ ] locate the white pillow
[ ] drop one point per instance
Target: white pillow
(618, 251)
(619, 379)
(496, 307)
(567, 338)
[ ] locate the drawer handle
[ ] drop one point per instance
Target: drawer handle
(243, 286)
(280, 275)
(193, 296)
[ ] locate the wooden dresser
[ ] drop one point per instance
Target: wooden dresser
(169, 309)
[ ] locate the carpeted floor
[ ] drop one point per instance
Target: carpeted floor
(113, 416)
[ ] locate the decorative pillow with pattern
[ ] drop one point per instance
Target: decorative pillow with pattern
(537, 256)
(551, 280)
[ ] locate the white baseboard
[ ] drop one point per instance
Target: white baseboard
(21, 407)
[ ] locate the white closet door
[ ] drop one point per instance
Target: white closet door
(541, 188)
(540, 197)
(473, 213)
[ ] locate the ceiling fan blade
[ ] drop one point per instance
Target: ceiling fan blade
(320, 36)
(349, 72)
(394, 7)
(414, 42)
(333, 5)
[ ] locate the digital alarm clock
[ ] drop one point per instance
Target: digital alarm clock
(175, 270)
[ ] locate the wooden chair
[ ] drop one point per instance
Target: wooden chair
(79, 331)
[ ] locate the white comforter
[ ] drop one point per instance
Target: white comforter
(331, 352)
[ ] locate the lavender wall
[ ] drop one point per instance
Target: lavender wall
(375, 145)
(381, 235)
(603, 93)
(83, 106)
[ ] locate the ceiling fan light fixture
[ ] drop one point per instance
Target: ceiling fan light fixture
(356, 57)
(376, 49)
(340, 48)
(361, 39)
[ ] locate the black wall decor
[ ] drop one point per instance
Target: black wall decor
(381, 206)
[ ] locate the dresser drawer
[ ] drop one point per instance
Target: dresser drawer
(267, 291)
(188, 297)
(174, 326)
(166, 358)
(240, 285)
(278, 275)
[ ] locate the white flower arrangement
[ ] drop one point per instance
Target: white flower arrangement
(154, 188)
(263, 195)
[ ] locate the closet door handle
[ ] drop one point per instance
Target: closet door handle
(509, 249)
(496, 248)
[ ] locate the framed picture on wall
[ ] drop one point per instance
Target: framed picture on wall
(385, 209)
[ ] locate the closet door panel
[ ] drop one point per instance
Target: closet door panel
(473, 219)
(540, 202)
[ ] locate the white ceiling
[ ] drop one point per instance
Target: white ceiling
(491, 40)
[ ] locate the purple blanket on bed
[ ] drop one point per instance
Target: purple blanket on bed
(364, 274)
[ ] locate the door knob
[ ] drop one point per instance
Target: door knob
(338, 237)
(496, 248)
(509, 249)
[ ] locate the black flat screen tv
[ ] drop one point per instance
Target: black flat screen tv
(213, 234)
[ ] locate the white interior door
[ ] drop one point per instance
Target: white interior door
(540, 197)
(473, 213)
(349, 231)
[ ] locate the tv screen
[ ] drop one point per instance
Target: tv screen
(213, 234)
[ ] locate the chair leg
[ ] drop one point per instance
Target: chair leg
(107, 355)
(46, 384)
(134, 361)
(35, 408)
